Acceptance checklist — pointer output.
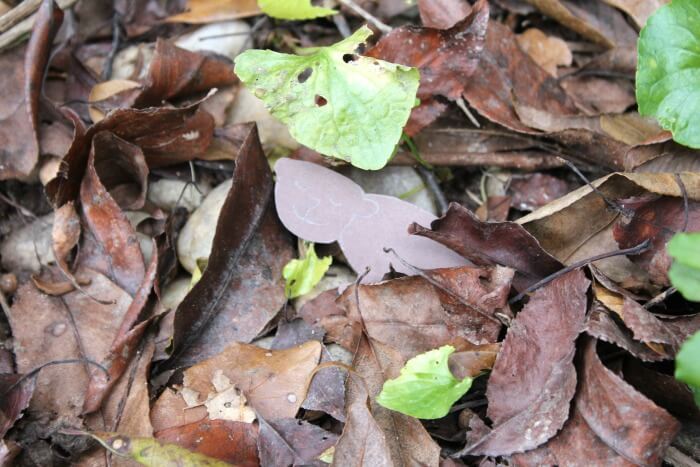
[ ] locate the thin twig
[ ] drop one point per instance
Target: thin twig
(342, 24)
(684, 193)
(434, 188)
(116, 43)
(34, 371)
(462, 105)
(384, 28)
(660, 297)
(629, 251)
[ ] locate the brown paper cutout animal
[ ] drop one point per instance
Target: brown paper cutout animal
(322, 206)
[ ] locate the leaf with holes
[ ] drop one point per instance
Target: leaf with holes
(302, 275)
(668, 70)
(334, 101)
(293, 9)
(425, 388)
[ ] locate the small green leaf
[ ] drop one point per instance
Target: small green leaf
(302, 275)
(668, 70)
(425, 388)
(334, 101)
(688, 365)
(684, 274)
(293, 9)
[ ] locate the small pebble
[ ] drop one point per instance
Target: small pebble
(8, 283)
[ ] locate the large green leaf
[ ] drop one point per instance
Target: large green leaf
(334, 101)
(688, 364)
(684, 274)
(668, 70)
(293, 9)
(301, 275)
(425, 388)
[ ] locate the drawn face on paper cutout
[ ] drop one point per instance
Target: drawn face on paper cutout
(320, 205)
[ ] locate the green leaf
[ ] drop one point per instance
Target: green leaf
(425, 388)
(684, 274)
(334, 101)
(302, 275)
(668, 70)
(688, 364)
(293, 9)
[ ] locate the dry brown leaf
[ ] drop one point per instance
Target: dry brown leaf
(211, 11)
(275, 382)
(105, 90)
(549, 52)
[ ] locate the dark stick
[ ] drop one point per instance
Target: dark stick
(629, 251)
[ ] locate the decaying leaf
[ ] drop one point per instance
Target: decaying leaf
(298, 91)
(274, 382)
(489, 243)
(15, 393)
(216, 311)
(534, 379)
(445, 58)
(320, 205)
(232, 442)
(23, 72)
(611, 424)
(153, 453)
(289, 442)
(361, 433)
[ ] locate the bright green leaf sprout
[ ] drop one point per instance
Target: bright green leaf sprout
(684, 274)
(688, 365)
(302, 275)
(425, 388)
(334, 101)
(293, 9)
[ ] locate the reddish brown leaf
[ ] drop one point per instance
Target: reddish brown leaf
(275, 383)
(534, 191)
(125, 343)
(602, 326)
(442, 14)
(290, 442)
(655, 218)
(489, 243)
(534, 379)
(641, 434)
(165, 135)
(117, 252)
(506, 73)
(176, 72)
(446, 58)
(217, 310)
(405, 437)
(413, 315)
(22, 73)
(232, 442)
(362, 444)
(15, 394)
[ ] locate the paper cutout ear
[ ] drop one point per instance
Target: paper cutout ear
(320, 205)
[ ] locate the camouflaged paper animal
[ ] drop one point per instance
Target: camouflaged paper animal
(320, 205)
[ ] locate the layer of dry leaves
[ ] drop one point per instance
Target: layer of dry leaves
(539, 164)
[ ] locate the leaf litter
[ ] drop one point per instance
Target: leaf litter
(539, 276)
